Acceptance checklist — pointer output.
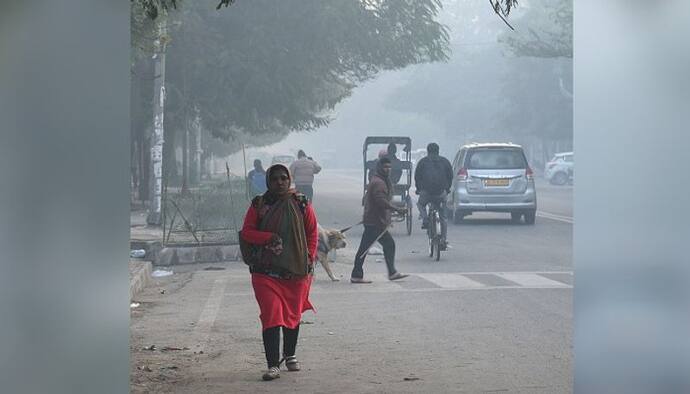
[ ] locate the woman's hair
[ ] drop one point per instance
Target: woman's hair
(269, 197)
(301, 154)
(432, 148)
(274, 168)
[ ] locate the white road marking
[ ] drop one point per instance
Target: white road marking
(451, 281)
(553, 216)
(531, 280)
(209, 314)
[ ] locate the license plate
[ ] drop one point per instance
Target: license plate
(496, 182)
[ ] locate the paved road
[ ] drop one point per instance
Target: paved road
(494, 315)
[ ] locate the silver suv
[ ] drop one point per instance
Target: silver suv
(493, 178)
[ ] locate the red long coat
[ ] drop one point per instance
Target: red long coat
(281, 301)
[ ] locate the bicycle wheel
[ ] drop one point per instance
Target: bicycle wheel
(431, 233)
(436, 240)
(408, 217)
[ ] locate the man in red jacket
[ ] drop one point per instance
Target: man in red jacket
(377, 221)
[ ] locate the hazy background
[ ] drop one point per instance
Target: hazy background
(64, 73)
(480, 82)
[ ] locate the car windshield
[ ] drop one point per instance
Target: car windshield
(496, 159)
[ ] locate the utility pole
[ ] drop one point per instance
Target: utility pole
(156, 166)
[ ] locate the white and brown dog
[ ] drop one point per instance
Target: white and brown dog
(329, 240)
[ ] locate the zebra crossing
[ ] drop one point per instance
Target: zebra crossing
(444, 281)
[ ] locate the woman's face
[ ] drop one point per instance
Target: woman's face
(279, 181)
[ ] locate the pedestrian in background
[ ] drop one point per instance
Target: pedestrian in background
(303, 170)
(377, 221)
(257, 179)
(281, 229)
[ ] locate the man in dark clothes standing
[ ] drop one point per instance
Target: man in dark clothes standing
(377, 221)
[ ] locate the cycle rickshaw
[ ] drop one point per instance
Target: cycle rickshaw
(401, 173)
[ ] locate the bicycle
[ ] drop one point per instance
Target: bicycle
(434, 230)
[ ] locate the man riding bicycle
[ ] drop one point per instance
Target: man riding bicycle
(433, 178)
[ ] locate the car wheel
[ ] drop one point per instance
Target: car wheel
(559, 178)
(515, 217)
(530, 216)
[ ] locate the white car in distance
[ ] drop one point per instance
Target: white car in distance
(559, 170)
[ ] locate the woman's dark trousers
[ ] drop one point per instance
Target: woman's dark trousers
(271, 338)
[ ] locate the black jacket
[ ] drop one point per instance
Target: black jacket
(433, 174)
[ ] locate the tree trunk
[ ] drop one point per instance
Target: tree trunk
(144, 164)
(169, 157)
(157, 137)
(197, 149)
(185, 159)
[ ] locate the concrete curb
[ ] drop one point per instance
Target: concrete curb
(139, 275)
(185, 254)
(168, 256)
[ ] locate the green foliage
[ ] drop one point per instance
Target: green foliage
(264, 68)
(545, 30)
(142, 31)
(482, 94)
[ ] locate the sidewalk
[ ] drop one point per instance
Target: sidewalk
(150, 239)
(141, 237)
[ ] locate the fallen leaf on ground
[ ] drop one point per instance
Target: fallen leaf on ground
(411, 379)
(214, 269)
(306, 322)
(152, 347)
(145, 368)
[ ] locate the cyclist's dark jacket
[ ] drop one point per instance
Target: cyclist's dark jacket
(434, 174)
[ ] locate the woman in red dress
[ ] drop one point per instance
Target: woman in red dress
(281, 226)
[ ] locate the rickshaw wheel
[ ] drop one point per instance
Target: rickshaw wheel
(408, 218)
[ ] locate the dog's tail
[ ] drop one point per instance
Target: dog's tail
(347, 228)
